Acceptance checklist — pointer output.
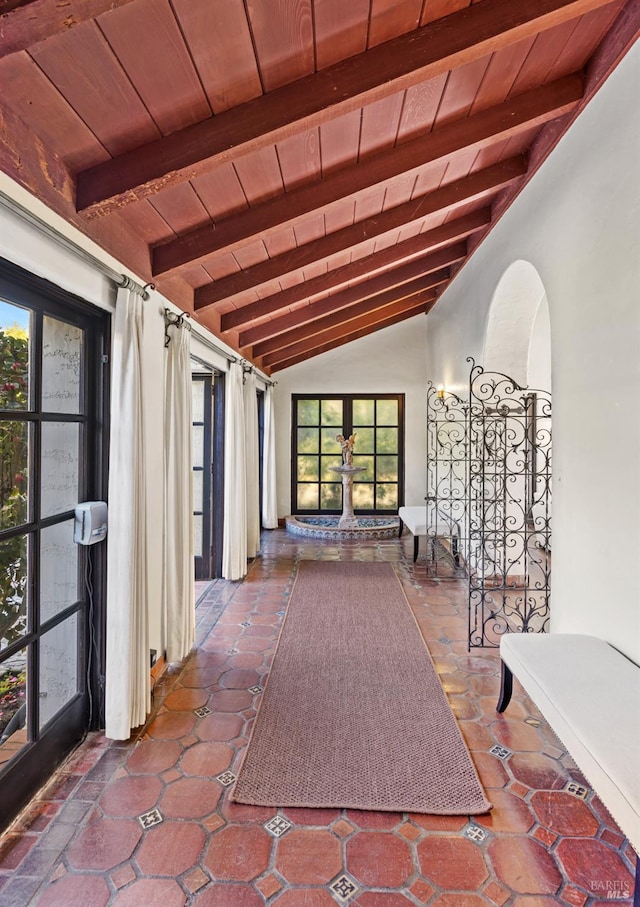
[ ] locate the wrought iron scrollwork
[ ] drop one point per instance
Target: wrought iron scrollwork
(488, 503)
(447, 480)
(508, 507)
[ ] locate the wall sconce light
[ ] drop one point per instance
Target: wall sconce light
(440, 391)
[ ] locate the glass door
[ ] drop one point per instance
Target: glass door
(202, 416)
(50, 589)
(377, 421)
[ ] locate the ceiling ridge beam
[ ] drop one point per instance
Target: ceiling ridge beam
(413, 303)
(34, 21)
(292, 359)
(475, 186)
(442, 45)
(428, 244)
(339, 317)
(495, 124)
(393, 282)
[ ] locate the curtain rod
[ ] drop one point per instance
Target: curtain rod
(120, 280)
(193, 327)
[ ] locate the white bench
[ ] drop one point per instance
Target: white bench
(425, 520)
(589, 693)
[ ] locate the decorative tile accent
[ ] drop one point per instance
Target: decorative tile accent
(577, 790)
(232, 651)
(277, 826)
(421, 891)
(245, 623)
(213, 823)
(203, 711)
(226, 778)
(343, 828)
(122, 876)
(256, 689)
(269, 885)
(196, 879)
(500, 751)
(343, 887)
(534, 722)
(444, 640)
(153, 817)
(547, 837)
(496, 893)
(409, 831)
(475, 834)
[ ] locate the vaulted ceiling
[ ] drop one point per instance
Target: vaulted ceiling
(294, 174)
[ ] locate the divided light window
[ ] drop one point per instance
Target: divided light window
(378, 423)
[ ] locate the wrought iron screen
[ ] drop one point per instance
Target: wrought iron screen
(508, 508)
(489, 501)
(447, 484)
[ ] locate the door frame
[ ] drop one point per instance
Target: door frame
(39, 758)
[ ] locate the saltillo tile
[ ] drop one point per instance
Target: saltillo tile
(238, 853)
(452, 863)
(306, 857)
(379, 860)
(153, 756)
(104, 843)
(170, 849)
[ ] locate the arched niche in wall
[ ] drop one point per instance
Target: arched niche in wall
(518, 335)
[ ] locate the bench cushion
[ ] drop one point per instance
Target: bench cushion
(415, 519)
(590, 695)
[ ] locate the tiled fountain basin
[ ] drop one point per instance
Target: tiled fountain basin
(326, 527)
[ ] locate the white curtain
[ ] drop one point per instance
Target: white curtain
(128, 695)
(179, 605)
(252, 464)
(269, 495)
(234, 541)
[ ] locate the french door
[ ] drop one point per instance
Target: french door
(202, 416)
(52, 439)
(377, 421)
(207, 396)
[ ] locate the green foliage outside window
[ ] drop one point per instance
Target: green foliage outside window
(14, 393)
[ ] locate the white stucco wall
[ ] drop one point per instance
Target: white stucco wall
(539, 359)
(390, 361)
(578, 224)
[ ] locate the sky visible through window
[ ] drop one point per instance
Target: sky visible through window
(11, 315)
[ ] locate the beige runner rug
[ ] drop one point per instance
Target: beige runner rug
(353, 714)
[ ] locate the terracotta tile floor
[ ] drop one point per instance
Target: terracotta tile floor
(149, 822)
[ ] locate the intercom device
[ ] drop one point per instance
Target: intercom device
(90, 524)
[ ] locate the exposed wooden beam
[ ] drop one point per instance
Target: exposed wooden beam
(27, 159)
(393, 66)
(25, 24)
(497, 124)
(423, 308)
(374, 308)
(391, 285)
(8, 5)
(375, 321)
(477, 185)
(392, 255)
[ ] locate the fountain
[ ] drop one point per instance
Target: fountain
(348, 520)
(347, 526)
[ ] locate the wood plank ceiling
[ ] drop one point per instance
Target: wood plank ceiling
(294, 174)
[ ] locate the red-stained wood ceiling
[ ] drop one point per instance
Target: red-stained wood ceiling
(294, 173)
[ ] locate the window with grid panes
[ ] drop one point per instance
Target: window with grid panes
(377, 420)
